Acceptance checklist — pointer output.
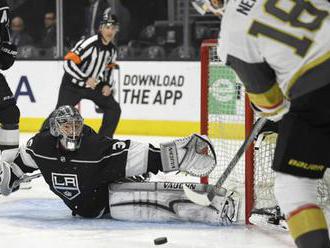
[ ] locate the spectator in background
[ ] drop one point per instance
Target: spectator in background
(18, 36)
(48, 38)
(13, 4)
(143, 13)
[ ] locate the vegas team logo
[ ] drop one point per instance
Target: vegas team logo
(66, 185)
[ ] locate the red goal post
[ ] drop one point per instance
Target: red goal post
(209, 58)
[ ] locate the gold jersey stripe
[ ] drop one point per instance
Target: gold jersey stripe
(306, 68)
(305, 221)
(268, 99)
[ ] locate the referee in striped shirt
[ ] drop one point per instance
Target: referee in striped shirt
(88, 73)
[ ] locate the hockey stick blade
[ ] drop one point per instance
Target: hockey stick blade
(198, 198)
(206, 199)
(26, 179)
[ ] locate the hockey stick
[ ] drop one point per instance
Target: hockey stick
(206, 199)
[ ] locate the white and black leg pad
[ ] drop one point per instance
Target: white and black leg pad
(137, 159)
(194, 155)
(166, 201)
(292, 192)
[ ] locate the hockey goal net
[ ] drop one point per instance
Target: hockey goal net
(226, 117)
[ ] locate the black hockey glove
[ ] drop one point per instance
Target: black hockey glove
(8, 54)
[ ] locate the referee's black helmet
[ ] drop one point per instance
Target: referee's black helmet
(108, 18)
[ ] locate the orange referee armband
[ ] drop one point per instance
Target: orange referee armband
(73, 57)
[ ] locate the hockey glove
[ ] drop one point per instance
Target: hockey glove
(8, 176)
(274, 114)
(268, 133)
(194, 155)
(8, 53)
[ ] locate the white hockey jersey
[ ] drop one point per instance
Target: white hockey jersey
(277, 46)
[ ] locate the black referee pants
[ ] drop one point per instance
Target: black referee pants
(71, 94)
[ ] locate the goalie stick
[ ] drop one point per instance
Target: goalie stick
(26, 179)
(206, 199)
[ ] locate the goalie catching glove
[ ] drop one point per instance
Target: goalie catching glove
(194, 155)
(9, 176)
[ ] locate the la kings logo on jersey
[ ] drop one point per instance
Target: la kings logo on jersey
(66, 185)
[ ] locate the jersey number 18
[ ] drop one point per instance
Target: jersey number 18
(293, 17)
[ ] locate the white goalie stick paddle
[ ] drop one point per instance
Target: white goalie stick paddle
(206, 199)
(26, 179)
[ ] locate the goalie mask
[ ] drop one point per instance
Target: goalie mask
(66, 123)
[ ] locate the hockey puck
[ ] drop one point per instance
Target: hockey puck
(160, 241)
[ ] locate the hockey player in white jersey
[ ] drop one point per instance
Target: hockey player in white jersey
(281, 51)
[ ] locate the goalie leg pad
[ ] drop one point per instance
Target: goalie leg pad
(166, 201)
(194, 155)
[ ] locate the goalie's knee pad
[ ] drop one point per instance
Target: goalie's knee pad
(293, 192)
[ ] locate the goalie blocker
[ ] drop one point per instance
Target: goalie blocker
(166, 201)
(194, 155)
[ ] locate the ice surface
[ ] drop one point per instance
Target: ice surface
(37, 218)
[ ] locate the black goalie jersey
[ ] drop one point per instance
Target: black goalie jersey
(81, 178)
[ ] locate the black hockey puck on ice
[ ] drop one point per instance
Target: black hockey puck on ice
(160, 241)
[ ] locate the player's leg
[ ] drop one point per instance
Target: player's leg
(69, 94)
(111, 111)
(166, 201)
(9, 117)
(301, 157)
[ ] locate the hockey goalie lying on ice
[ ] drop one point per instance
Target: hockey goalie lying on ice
(81, 167)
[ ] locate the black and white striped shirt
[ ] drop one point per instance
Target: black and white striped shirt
(90, 58)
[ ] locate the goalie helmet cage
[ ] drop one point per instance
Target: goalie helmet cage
(227, 119)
